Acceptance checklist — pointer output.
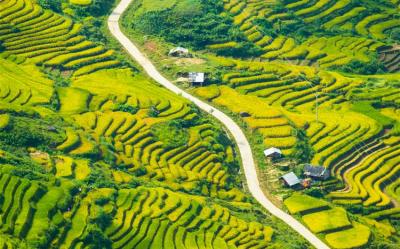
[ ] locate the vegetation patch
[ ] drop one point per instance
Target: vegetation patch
(81, 2)
(327, 221)
(354, 237)
(30, 132)
(300, 203)
(73, 100)
(191, 23)
(367, 109)
(172, 134)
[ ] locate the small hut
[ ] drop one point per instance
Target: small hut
(273, 152)
(291, 179)
(179, 52)
(196, 78)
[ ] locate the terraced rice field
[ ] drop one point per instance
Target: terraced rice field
(111, 176)
(317, 79)
(177, 221)
(27, 32)
(321, 51)
(114, 176)
(339, 231)
(358, 145)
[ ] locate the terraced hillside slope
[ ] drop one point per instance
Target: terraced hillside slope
(326, 33)
(319, 81)
(95, 155)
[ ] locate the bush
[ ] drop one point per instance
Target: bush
(96, 238)
(172, 134)
(153, 112)
(141, 171)
(92, 29)
(54, 5)
(96, 8)
(29, 132)
(359, 67)
(103, 219)
(99, 179)
(303, 151)
(126, 108)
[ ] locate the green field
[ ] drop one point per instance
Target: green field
(93, 154)
(318, 80)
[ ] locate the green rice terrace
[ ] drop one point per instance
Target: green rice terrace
(317, 79)
(95, 154)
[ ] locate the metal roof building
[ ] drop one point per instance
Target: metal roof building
(272, 152)
(196, 77)
(290, 179)
(179, 52)
(318, 172)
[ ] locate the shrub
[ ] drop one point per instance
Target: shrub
(141, 171)
(99, 179)
(359, 67)
(54, 5)
(172, 134)
(126, 108)
(303, 151)
(96, 238)
(96, 8)
(103, 219)
(29, 132)
(153, 112)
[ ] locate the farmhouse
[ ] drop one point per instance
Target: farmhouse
(179, 52)
(196, 78)
(316, 172)
(290, 179)
(273, 152)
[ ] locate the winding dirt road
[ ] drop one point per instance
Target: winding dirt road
(243, 145)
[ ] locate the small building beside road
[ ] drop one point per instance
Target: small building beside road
(273, 152)
(196, 78)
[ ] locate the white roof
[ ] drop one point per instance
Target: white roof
(196, 77)
(179, 49)
(271, 151)
(291, 179)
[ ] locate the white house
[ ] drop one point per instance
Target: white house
(179, 52)
(196, 78)
(290, 179)
(273, 152)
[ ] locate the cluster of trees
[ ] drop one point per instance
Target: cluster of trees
(25, 131)
(95, 8)
(194, 24)
(359, 67)
(303, 151)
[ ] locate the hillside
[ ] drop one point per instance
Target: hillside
(94, 154)
(317, 79)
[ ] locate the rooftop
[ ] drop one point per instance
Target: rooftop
(291, 179)
(271, 151)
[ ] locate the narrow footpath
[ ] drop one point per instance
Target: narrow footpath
(243, 145)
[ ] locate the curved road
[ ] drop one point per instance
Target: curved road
(244, 146)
